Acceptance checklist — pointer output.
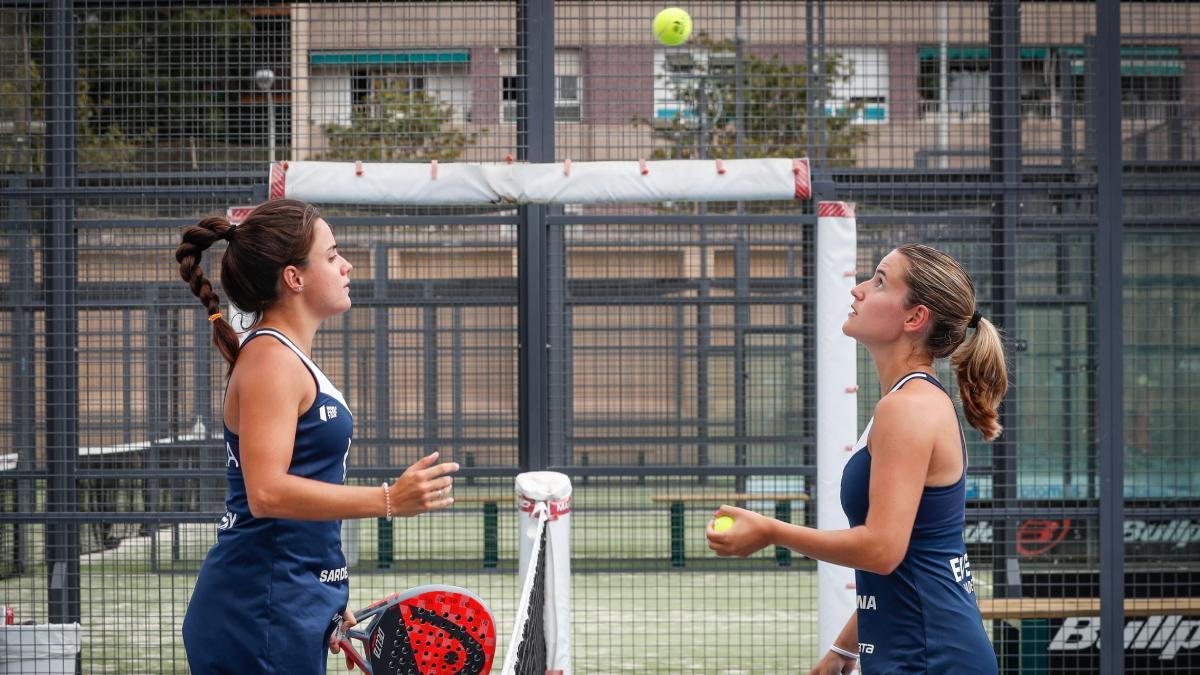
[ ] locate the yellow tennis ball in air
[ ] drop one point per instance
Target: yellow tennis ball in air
(672, 26)
(722, 523)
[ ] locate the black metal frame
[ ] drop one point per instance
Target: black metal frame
(544, 383)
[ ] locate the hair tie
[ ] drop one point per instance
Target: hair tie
(214, 316)
(974, 322)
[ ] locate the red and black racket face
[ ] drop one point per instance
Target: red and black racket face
(437, 631)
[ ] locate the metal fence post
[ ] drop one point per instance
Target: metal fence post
(24, 380)
(382, 393)
(1110, 314)
(1004, 38)
(535, 143)
(62, 328)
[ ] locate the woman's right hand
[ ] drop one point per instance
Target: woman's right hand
(834, 664)
(424, 486)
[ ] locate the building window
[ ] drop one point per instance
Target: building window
(568, 85)
(344, 83)
(682, 76)
(863, 84)
(968, 71)
(1151, 80)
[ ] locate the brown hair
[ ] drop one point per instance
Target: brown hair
(937, 281)
(274, 235)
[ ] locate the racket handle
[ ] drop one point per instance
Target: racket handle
(352, 657)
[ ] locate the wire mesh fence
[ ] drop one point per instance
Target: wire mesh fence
(680, 365)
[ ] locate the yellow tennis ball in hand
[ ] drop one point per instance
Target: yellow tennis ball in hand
(672, 26)
(722, 523)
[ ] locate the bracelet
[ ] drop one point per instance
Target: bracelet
(844, 652)
(387, 498)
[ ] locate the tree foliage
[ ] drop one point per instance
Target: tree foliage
(398, 123)
(775, 108)
(137, 82)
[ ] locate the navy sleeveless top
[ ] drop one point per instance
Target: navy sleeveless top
(923, 617)
(269, 587)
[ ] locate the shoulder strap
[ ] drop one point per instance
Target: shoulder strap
(917, 374)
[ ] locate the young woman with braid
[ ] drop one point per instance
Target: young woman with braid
(904, 490)
(275, 585)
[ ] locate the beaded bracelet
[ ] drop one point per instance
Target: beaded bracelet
(387, 498)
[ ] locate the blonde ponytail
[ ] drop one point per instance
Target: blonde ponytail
(982, 375)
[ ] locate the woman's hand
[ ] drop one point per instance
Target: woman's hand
(750, 532)
(335, 637)
(834, 664)
(424, 486)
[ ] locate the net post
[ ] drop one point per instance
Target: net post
(541, 638)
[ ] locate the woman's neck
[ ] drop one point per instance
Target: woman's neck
(891, 365)
(300, 331)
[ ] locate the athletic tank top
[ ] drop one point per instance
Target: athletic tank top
(269, 587)
(923, 617)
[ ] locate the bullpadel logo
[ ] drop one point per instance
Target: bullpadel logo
(1167, 635)
(1035, 537)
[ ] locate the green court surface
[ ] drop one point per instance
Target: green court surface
(632, 610)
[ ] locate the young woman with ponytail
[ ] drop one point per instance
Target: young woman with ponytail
(904, 489)
(274, 587)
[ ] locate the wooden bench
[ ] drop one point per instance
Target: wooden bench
(1006, 609)
(1031, 617)
(783, 511)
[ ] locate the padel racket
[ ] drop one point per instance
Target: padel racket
(427, 630)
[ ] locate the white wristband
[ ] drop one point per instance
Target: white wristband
(387, 498)
(844, 652)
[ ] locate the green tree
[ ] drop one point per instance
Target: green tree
(100, 147)
(396, 123)
(775, 110)
(145, 75)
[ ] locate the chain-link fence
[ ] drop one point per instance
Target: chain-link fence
(1051, 146)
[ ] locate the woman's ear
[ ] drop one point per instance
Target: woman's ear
(292, 280)
(919, 318)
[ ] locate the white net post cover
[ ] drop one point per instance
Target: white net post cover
(544, 512)
(837, 402)
(461, 183)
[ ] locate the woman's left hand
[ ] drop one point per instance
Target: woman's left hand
(335, 638)
(750, 532)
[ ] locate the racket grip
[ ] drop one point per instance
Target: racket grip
(352, 657)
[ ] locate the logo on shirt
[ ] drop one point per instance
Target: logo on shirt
(961, 569)
(229, 458)
(227, 521)
(334, 575)
(328, 412)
